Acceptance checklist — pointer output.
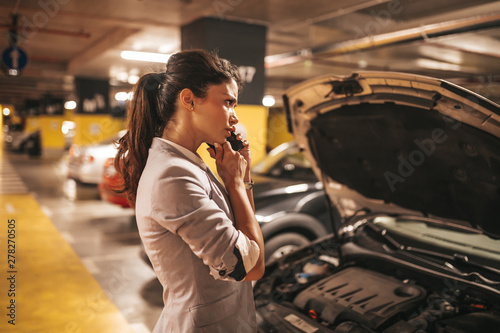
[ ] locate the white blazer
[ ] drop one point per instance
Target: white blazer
(186, 225)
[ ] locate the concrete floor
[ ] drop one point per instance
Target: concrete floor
(103, 235)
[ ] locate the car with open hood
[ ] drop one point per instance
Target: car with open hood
(412, 165)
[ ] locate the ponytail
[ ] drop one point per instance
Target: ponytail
(145, 122)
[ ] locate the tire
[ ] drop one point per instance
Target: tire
(282, 244)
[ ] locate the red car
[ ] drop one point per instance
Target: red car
(110, 184)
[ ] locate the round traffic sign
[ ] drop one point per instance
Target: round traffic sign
(14, 58)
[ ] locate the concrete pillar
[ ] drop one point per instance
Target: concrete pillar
(242, 43)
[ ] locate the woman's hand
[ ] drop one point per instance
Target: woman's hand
(231, 165)
(245, 152)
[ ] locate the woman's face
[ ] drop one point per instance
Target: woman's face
(215, 116)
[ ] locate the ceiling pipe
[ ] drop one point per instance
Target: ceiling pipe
(52, 31)
(386, 39)
(344, 10)
(413, 34)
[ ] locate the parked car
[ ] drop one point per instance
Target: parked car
(111, 184)
(289, 200)
(86, 163)
(17, 140)
(11, 133)
(412, 165)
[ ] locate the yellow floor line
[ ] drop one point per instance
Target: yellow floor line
(44, 286)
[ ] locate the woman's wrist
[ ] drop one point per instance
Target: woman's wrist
(248, 184)
(234, 183)
(248, 176)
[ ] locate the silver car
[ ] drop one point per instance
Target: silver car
(86, 163)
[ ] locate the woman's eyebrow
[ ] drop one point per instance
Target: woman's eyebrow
(232, 97)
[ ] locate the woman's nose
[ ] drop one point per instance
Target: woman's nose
(233, 119)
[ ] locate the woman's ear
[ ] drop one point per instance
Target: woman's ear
(187, 98)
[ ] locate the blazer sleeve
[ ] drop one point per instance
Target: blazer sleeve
(182, 205)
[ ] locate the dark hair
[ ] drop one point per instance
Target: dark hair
(154, 105)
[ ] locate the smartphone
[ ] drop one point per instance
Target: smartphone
(236, 144)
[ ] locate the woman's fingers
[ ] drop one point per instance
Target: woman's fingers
(231, 165)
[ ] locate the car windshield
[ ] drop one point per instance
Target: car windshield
(434, 235)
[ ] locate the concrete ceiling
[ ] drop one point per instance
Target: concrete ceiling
(458, 40)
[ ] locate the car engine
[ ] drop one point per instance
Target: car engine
(359, 295)
(370, 292)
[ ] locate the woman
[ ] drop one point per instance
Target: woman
(201, 236)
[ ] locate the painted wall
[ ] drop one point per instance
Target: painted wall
(96, 128)
(51, 134)
(277, 131)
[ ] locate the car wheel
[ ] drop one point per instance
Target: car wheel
(282, 244)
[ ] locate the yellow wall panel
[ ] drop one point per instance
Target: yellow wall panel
(253, 126)
(52, 136)
(32, 124)
(96, 128)
(277, 132)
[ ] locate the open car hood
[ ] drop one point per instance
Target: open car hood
(401, 143)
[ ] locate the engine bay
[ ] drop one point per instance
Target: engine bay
(312, 291)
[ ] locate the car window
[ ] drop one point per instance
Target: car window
(293, 166)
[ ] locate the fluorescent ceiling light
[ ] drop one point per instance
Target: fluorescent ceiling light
(145, 56)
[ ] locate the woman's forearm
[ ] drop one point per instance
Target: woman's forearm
(245, 221)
